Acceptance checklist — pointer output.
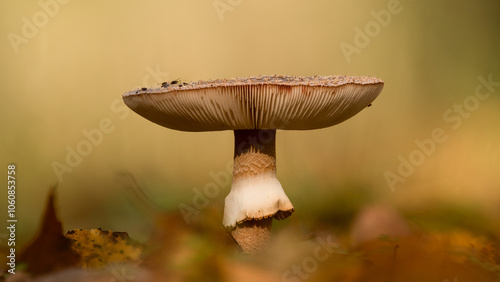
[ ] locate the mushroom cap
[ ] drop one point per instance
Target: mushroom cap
(256, 102)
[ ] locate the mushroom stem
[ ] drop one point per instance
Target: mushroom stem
(254, 154)
(253, 235)
(256, 195)
(255, 142)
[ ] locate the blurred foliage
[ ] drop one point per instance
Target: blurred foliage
(204, 252)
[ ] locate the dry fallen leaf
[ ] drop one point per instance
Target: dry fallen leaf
(50, 251)
(99, 248)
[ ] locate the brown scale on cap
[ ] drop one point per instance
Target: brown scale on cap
(285, 80)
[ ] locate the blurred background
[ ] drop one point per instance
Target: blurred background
(65, 64)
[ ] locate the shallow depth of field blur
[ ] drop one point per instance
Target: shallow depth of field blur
(67, 78)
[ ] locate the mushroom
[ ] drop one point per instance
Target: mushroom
(255, 107)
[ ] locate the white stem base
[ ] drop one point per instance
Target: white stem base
(255, 197)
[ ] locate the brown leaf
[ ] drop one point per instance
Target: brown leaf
(50, 250)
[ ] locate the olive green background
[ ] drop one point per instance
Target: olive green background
(69, 76)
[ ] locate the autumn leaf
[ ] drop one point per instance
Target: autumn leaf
(50, 250)
(98, 248)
